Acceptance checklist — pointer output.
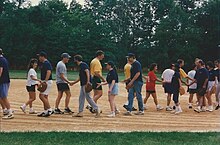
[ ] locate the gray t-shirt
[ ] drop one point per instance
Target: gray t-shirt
(61, 69)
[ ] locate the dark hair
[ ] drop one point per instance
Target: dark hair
(32, 62)
(78, 58)
(210, 64)
(152, 66)
(201, 62)
(177, 67)
(180, 61)
(99, 52)
(172, 65)
(194, 66)
(1, 52)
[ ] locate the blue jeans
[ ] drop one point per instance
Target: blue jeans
(135, 89)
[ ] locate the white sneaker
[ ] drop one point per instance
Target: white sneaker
(112, 115)
(159, 108)
(9, 116)
(178, 112)
(117, 112)
(203, 109)
(168, 108)
(139, 113)
(197, 110)
(210, 109)
(32, 112)
(145, 107)
(23, 109)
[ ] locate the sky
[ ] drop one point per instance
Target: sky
(35, 2)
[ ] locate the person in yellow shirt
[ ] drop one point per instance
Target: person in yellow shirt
(96, 73)
(183, 74)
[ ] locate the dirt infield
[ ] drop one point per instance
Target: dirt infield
(151, 121)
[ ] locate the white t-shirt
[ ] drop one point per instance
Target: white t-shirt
(192, 74)
(167, 75)
(33, 73)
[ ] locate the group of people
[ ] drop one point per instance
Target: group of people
(203, 80)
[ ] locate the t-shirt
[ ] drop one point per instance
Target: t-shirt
(167, 75)
(212, 74)
(112, 75)
(135, 68)
(201, 75)
(175, 80)
(192, 74)
(217, 74)
(182, 73)
(44, 68)
(151, 81)
(127, 71)
(82, 73)
(32, 73)
(95, 66)
(61, 69)
(4, 78)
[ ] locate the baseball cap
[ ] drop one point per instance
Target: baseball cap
(130, 55)
(42, 53)
(78, 58)
(65, 55)
(111, 63)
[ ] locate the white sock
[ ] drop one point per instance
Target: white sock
(190, 104)
(5, 110)
(113, 113)
(31, 109)
(9, 111)
(50, 110)
(127, 103)
(158, 106)
(24, 106)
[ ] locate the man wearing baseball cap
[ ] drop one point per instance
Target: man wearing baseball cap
(46, 76)
(4, 87)
(62, 84)
(135, 85)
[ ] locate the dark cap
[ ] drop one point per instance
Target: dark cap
(42, 53)
(111, 63)
(65, 55)
(1, 52)
(130, 55)
(78, 58)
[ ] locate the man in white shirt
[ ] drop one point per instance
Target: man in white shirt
(167, 76)
(193, 88)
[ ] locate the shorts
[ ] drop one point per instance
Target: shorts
(192, 91)
(4, 90)
(168, 88)
(49, 86)
(151, 92)
(95, 81)
(210, 85)
(31, 88)
(62, 87)
(114, 89)
(201, 92)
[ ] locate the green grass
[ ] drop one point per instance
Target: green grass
(133, 138)
(72, 75)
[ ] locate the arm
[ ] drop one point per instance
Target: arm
(1, 70)
(159, 80)
(64, 79)
(35, 79)
(205, 83)
(145, 77)
(98, 75)
(48, 75)
(88, 76)
(135, 77)
(180, 82)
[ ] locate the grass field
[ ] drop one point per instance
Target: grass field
(132, 138)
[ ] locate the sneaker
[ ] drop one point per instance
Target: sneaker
(197, 110)
(174, 107)
(217, 107)
(5, 112)
(67, 110)
(145, 107)
(112, 115)
(80, 114)
(22, 109)
(159, 108)
(9, 116)
(190, 106)
(173, 112)
(139, 113)
(169, 108)
(203, 109)
(134, 109)
(32, 112)
(41, 114)
(98, 113)
(58, 111)
(47, 114)
(117, 112)
(128, 113)
(210, 109)
(178, 112)
(125, 106)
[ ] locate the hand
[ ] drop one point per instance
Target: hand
(98, 85)
(129, 86)
(109, 91)
(203, 87)
(72, 83)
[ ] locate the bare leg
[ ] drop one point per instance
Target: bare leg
(67, 101)
(146, 98)
(97, 95)
(59, 97)
(154, 95)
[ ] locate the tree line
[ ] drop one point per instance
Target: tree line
(158, 31)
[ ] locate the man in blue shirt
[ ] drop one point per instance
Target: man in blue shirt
(4, 86)
(85, 80)
(46, 76)
(135, 85)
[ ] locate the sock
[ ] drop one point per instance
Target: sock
(24, 106)
(5, 110)
(9, 111)
(49, 110)
(126, 103)
(158, 106)
(31, 109)
(190, 104)
(199, 107)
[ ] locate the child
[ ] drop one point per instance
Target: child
(31, 85)
(176, 84)
(112, 81)
(150, 86)
(192, 89)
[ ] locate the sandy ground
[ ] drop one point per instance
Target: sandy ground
(152, 120)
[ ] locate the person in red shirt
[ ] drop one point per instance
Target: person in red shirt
(151, 79)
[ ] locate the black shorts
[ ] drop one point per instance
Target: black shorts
(192, 91)
(63, 87)
(151, 92)
(95, 81)
(168, 88)
(201, 92)
(31, 88)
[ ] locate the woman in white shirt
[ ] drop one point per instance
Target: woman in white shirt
(32, 82)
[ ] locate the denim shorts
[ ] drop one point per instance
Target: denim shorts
(114, 89)
(4, 90)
